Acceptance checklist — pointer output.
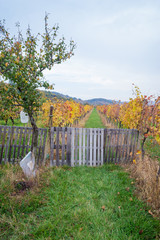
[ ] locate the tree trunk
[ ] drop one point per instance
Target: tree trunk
(12, 120)
(34, 139)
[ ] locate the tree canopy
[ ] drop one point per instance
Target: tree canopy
(22, 62)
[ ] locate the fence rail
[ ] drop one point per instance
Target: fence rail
(15, 143)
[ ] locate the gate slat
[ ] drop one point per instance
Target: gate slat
(80, 146)
(72, 145)
(102, 144)
(90, 148)
(84, 145)
(98, 146)
(94, 151)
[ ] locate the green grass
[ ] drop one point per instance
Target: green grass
(75, 203)
(94, 120)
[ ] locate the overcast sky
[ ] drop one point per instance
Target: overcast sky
(118, 43)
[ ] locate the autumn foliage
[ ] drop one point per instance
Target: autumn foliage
(64, 112)
(141, 112)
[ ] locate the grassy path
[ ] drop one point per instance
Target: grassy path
(94, 120)
(75, 203)
(79, 203)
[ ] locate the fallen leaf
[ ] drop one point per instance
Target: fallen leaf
(80, 229)
(131, 199)
(138, 152)
(103, 208)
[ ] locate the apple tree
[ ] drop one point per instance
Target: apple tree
(22, 63)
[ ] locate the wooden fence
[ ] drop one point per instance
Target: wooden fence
(70, 146)
(15, 143)
(91, 147)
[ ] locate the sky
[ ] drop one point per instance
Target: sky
(118, 44)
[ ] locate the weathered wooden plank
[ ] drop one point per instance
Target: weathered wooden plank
(24, 142)
(57, 146)
(28, 146)
(43, 145)
(109, 151)
(120, 146)
(117, 144)
(68, 147)
(72, 145)
(63, 145)
(19, 143)
(52, 147)
(94, 148)
(105, 138)
(84, 146)
(10, 144)
(40, 136)
(91, 148)
(80, 146)
(15, 144)
(8, 137)
(107, 148)
(123, 148)
(98, 157)
(102, 146)
(113, 145)
(127, 145)
(76, 146)
(3, 142)
(88, 144)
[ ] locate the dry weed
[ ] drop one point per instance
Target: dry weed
(147, 182)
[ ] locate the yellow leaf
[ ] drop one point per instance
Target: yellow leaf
(138, 152)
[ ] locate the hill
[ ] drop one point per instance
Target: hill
(94, 101)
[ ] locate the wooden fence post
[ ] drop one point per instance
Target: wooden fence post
(50, 125)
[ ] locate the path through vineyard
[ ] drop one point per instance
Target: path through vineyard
(94, 120)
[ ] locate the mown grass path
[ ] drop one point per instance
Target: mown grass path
(94, 120)
(76, 203)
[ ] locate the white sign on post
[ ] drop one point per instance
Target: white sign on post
(24, 117)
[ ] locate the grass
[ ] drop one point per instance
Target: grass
(94, 120)
(17, 122)
(74, 203)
